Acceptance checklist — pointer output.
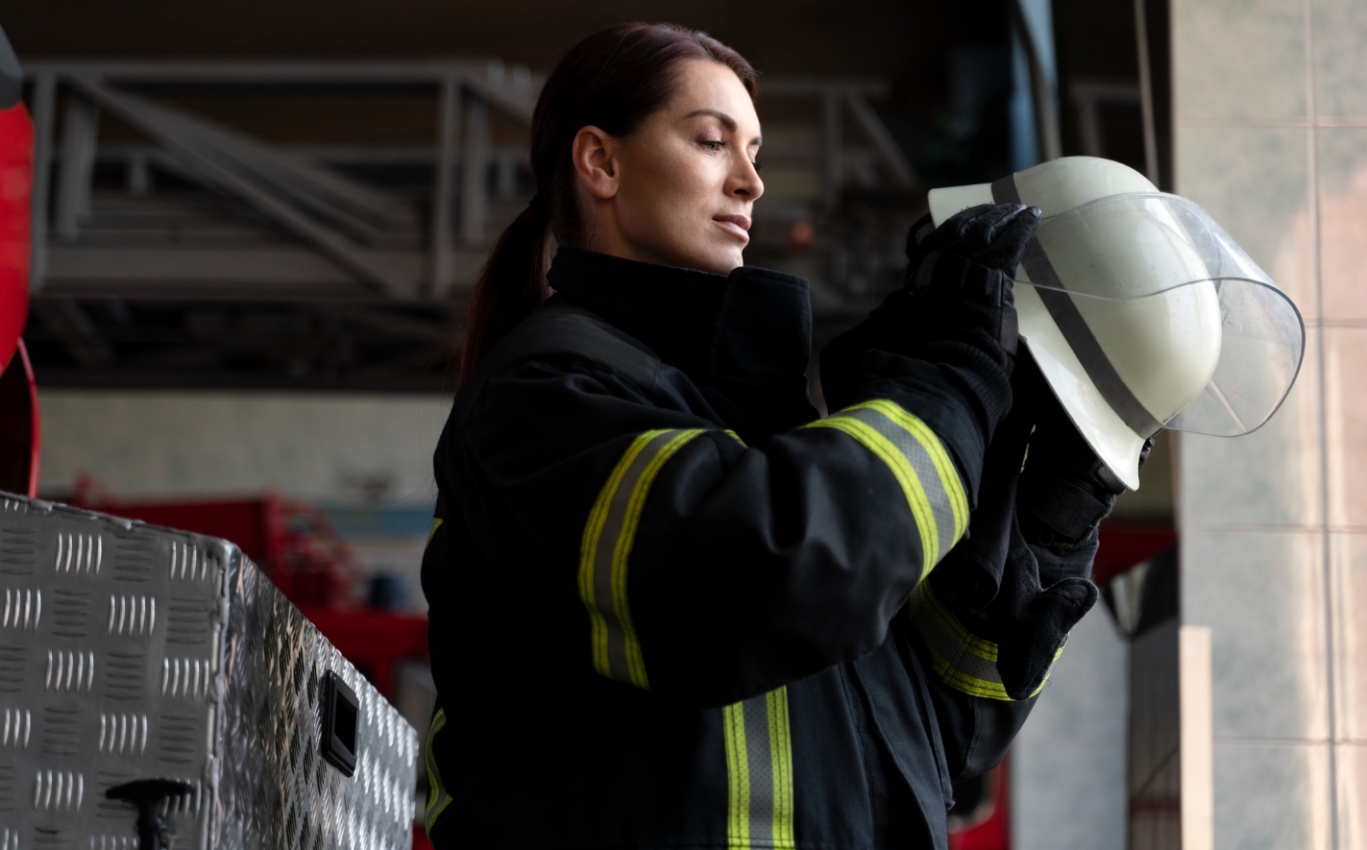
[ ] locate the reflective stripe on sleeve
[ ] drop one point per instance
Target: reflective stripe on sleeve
(921, 465)
(437, 798)
(606, 549)
(759, 773)
(436, 523)
(960, 659)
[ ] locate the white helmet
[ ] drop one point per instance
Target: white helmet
(1140, 311)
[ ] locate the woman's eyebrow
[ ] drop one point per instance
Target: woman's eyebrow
(727, 121)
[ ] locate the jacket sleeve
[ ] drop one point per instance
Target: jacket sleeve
(704, 568)
(978, 721)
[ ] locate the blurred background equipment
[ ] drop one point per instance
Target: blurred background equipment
(19, 432)
(252, 282)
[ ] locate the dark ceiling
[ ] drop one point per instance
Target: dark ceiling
(901, 40)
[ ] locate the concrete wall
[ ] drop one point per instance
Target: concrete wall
(1270, 102)
(328, 448)
(1068, 763)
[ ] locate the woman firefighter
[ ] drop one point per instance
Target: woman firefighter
(672, 606)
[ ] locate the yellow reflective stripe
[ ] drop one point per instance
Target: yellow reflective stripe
(920, 463)
(939, 456)
(759, 773)
(781, 758)
(436, 523)
(959, 658)
(622, 551)
(606, 551)
(437, 798)
(737, 778)
(733, 435)
(921, 511)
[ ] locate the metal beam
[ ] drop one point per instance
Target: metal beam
(330, 194)
(474, 161)
(331, 244)
(274, 273)
(511, 89)
(44, 110)
(79, 126)
(344, 202)
(448, 134)
(264, 72)
(139, 180)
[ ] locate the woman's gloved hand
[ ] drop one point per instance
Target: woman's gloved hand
(1065, 489)
(959, 276)
(1033, 620)
(957, 288)
(991, 582)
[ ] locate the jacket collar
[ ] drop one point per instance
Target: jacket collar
(751, 325)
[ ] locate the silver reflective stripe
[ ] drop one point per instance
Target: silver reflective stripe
(1076, 330)
(941, 506)
(962, 660)
(606, 550)
(920, 464)
(759, 773)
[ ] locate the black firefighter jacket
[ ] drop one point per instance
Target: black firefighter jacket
(671, 607)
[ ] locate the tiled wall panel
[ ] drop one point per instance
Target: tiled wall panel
(1340, 33)
(1239, 59)
(1272, 796)
(1348, 552)
(1262, 594)
(1271, 137)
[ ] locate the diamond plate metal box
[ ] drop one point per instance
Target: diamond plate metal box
(129, 651)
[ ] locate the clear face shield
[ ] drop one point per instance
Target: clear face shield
(1142, 304)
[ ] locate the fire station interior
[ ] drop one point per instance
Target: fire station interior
(254, 229)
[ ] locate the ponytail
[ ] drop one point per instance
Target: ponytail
(613, 80)
(510, 287)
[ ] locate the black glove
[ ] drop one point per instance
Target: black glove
(959, 276)
(1065, 489)
(1033, 621)
(991, 581)
(957, 288)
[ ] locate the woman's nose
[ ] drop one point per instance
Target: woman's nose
(747, 182)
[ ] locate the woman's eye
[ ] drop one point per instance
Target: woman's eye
(712, 145)
(759, 166)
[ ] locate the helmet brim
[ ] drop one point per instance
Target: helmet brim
(1108, 266)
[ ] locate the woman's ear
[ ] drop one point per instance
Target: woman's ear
(595, 160)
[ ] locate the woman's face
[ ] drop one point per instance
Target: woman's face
(680, 190)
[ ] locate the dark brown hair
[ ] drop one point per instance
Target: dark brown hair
(613, 80)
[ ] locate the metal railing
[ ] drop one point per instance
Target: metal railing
(349, 239)
(336, 215)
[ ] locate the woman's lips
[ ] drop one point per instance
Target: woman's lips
(736, 225)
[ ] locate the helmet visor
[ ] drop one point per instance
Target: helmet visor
(1173, 322)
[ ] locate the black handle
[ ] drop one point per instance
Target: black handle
(154, 831)
(341, 724)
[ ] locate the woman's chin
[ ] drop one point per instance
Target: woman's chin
(720, 260)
